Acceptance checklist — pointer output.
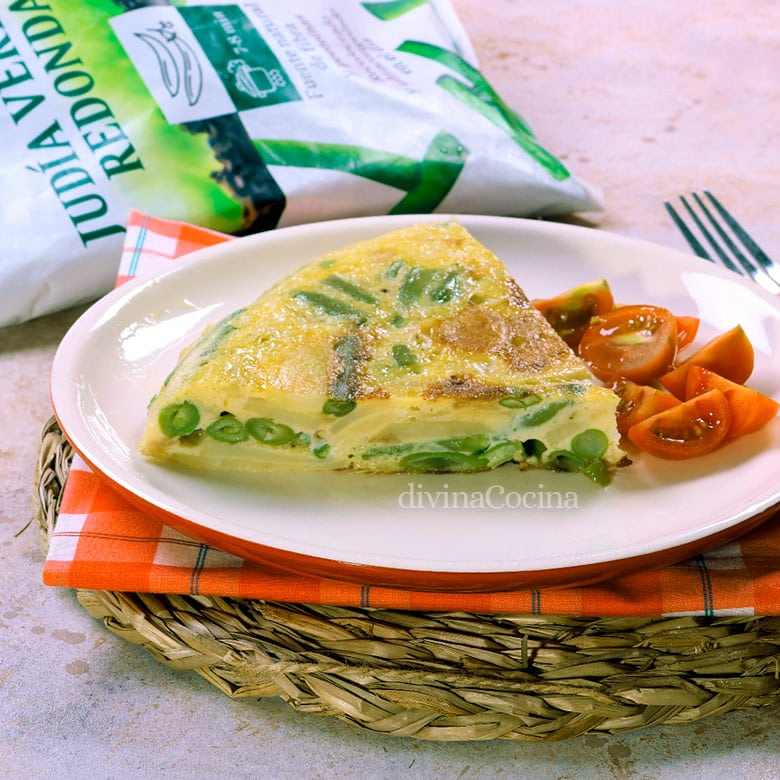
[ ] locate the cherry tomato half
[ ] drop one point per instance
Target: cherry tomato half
(634, 342)
(687, 430)
(687, 328)
(729, 354)
(571, 311)
(638, 402)
(750, 410)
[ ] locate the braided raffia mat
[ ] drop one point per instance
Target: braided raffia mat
(444, 676)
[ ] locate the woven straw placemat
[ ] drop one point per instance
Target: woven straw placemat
(443, 676)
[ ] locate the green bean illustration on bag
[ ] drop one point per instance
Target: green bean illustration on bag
(178, 64)
(426, 182)
(243, 117)
(482, 98)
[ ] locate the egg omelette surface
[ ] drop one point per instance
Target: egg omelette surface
(414, 351)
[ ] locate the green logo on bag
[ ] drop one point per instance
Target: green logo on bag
(250, 71)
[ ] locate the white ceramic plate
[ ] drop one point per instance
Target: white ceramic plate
(497, 529)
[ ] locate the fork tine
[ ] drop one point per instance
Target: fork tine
(693, 242)
(752, 247)
(722, 256)
(764, 271)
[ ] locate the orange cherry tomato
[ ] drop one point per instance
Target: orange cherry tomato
(750, 410)
(633, 342)
(571, 311)
(638, 402)
(687, 327)
(729, 354)
(690, 429)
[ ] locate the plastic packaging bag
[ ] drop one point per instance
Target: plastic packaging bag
(241, 117)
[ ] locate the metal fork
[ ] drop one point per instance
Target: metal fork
(752, 262)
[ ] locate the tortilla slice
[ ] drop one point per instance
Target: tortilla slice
(412, 351)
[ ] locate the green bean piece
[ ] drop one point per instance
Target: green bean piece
(350, 289)
(337, 407)
(469, 445)
(346, 383)
(206, 344)
(301, 438)
(179, 419)
(269, 431)
(575, 388)
(394, 268)
(443, 462)
(327, 304)
(543, 414)
(564, 460)
(500, 453)
(379, 450)
(404, 357)
(192, 439)
(590, 444)
(446, 289)
(597, 471)
(415, 283)
(520, 401)
(227, 428)
(533, 448)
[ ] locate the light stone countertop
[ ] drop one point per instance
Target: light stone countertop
(645, 100)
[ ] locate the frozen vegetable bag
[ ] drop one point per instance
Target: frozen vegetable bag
(242, 117)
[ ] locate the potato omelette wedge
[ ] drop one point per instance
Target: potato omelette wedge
(414, 351)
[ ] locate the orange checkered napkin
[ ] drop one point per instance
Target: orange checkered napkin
(102, 542)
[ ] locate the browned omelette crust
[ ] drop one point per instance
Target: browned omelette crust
(475, 338)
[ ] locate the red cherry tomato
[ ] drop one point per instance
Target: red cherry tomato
(729, 354)
(634, 342)
(638, 402)
(687, 328)
(750, 410)
(687, 430)
(570, 312)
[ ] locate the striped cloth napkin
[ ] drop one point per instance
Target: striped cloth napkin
(102, 542)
